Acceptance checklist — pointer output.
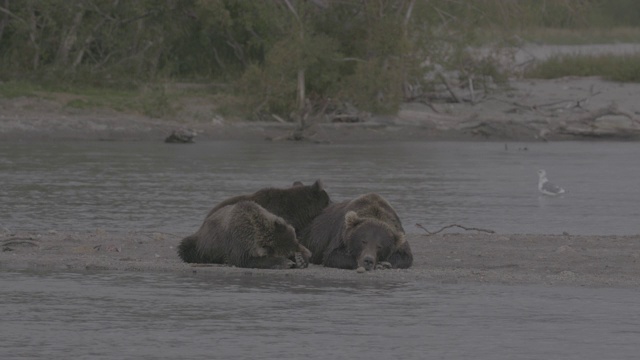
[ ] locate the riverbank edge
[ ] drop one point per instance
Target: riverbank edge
(529, 111)
(501, 259)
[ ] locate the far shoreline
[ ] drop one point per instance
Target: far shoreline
(510, 116)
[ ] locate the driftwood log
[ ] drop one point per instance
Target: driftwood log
(181, 136)
(452, 226)
(590, 124)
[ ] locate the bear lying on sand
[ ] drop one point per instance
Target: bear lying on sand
(297, 205)
(363, 232)
(244, 234)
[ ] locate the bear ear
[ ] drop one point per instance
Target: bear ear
(352, 219)
(280, 225)
(297, 183)
(318, 185)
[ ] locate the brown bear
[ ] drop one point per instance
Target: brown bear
(244, 234)
(298, 205)
(363, 232)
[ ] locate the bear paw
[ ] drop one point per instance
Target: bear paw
(286, 264)
(301, 261)
(383, 265)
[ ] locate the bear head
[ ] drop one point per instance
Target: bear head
(300, 203)
(276, 238)
(370, 240)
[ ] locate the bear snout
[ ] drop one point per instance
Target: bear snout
(368, 262)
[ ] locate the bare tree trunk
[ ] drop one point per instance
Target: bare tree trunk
(301, 89)
(407, 16)
(301, 71)
(86, 43)
(33, 36)
(301, 98)
(69, 40)
(5, 19)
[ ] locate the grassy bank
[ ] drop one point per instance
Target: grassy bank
(156, 100)
(583, 36)
(621, 68)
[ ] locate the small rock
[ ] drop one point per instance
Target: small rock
(360, 270)
(565, 249)
(113, 248)
(567, 274)
(181, 136)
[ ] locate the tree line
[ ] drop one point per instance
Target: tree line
(283, 56)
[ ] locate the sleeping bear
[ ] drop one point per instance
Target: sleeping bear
(244, 234)
(364, 232)
(215, 241)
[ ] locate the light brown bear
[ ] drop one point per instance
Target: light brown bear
(244, 234)
(364, 232)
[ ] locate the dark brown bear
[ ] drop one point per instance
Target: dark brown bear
(363, 232)
(244, 234)
(297, 205)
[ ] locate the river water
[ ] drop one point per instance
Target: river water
(157, 187)
(146, 186)
(169, 316)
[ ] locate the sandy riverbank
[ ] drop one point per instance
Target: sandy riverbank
(569, 108)
(531, 110)
(551, 260)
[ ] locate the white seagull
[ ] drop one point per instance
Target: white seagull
(546, 187)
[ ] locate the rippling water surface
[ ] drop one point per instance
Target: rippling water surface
(168, 316)
(142, 186)
(146, 186)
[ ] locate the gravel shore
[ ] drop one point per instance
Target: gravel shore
(551, 260)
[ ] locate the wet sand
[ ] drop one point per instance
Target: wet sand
(551, 260)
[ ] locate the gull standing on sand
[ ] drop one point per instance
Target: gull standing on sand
(546, 187)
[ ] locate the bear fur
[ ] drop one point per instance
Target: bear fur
(298, 205)
(244, 234)
(363, 232)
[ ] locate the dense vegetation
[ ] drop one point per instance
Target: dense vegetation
(280, 56)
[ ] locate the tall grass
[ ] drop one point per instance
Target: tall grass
(593, 35)
(622, 68)
(152, 100)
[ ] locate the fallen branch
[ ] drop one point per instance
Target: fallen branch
(586, 124)
(600, 133)
(153, 235)
(279, 119)
(593, 115)
(20, 241)
(448, 86)
(454, 225)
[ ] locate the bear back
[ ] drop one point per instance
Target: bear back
(298, 205)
